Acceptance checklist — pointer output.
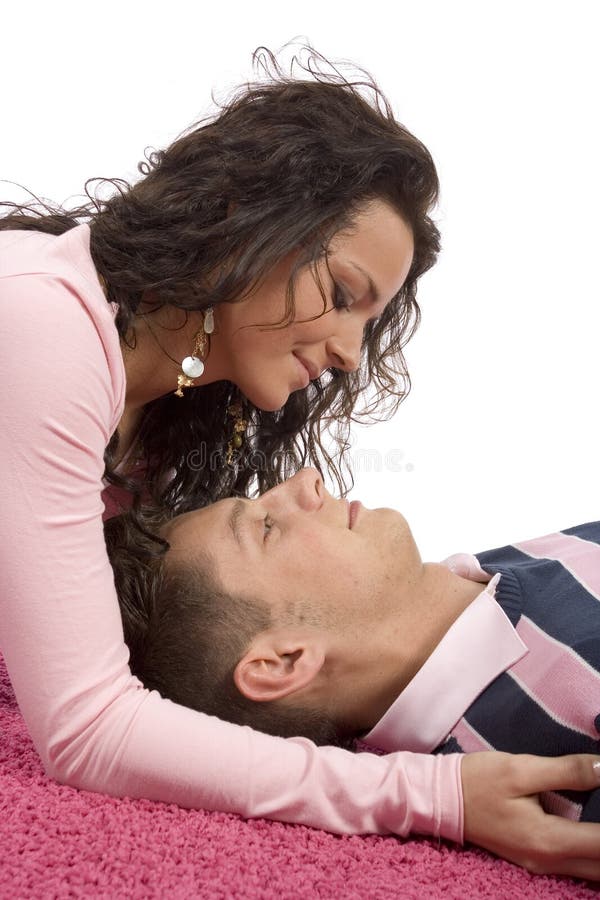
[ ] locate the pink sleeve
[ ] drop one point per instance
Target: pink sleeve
(92, 722)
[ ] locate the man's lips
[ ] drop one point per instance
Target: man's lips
(313, 371)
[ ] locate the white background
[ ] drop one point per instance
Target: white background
(500, 436)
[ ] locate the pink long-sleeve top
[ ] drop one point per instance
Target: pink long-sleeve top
(94, 724)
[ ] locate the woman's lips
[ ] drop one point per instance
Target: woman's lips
(308, 367)
(303, 372)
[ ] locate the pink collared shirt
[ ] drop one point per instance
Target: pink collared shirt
(479, 645)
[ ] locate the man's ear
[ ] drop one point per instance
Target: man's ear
(279, 662)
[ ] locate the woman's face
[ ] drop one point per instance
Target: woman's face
(367, 267)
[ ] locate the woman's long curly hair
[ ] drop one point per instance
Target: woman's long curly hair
(283, 166)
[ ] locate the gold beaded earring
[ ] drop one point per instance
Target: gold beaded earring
(236, 441)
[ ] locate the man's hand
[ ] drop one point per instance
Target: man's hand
(503, 813)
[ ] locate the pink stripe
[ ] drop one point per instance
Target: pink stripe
(578, 556)
(550, 663)
(469, 739)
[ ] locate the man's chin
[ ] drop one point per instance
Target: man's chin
(393, 523)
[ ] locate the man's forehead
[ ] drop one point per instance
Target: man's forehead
(196, 522)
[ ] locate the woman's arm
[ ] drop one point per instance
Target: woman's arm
(92, 722)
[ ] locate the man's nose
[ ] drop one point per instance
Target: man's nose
(308, 488)
(304, 490)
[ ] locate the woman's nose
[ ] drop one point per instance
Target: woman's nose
(344, 348)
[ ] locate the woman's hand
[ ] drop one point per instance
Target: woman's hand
(503, 813)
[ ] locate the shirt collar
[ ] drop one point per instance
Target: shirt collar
(478, 646)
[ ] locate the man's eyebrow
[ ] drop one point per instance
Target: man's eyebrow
(237, 511)
(372, 287)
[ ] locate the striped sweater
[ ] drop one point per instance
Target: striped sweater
(543, 698)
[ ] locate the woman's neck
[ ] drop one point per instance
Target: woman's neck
(128, 429)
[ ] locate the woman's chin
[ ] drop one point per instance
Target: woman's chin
(267, 402)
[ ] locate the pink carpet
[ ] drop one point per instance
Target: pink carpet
(59, 842)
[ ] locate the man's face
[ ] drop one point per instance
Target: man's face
(311, 558)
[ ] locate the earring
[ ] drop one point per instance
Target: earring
(193, 366)
(236, 410)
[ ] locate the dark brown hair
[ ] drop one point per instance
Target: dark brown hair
(186, 635)
(285, 165)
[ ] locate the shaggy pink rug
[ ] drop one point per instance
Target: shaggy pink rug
(59, 842)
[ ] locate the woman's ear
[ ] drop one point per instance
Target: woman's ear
(279, 662)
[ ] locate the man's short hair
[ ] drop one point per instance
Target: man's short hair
(186, 635)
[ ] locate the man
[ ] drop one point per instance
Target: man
(312, 616)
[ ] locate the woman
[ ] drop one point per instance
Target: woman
(274, 251)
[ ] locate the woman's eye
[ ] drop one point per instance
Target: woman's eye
(268, 524)
(340, 300)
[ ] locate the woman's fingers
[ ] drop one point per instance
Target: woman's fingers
(503, 813)
(562, 847)
(581, 868)
(576, 869)
(573, 840)
(576, 772)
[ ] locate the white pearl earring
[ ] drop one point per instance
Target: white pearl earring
(193, 366)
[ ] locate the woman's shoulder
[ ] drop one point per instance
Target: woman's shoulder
(66, 256)
(49, 284)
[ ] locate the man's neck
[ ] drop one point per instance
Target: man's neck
(423, 618)
(443, 598)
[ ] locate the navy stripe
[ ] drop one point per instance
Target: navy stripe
(591, 806)
(550, 596)
(508, 719)
(589, 532)
(503, 556)
(509, 593)
(449, 746)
